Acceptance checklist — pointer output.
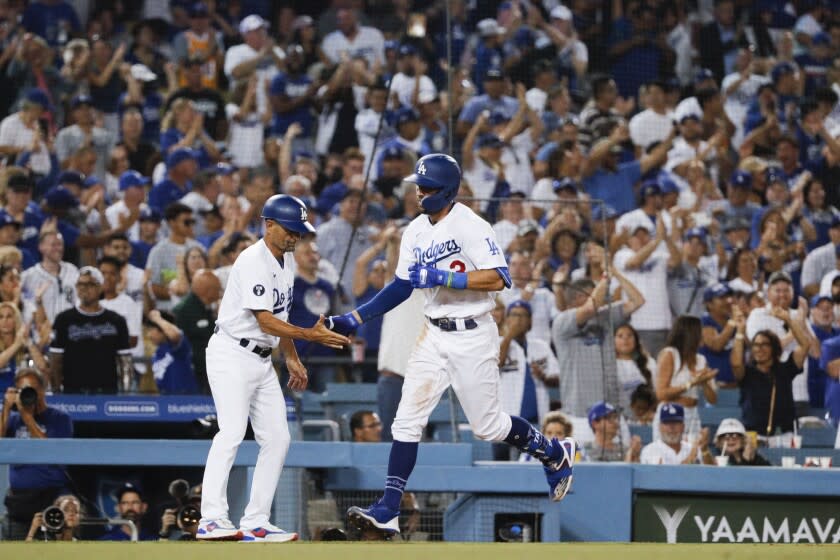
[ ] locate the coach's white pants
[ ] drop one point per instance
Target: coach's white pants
(469, 361)
(243, 385)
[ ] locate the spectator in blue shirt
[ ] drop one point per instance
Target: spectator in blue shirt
(31, 487)
(183, 128)
(19, 205)
(149, 227)
(291, 94)
(172, 361)
(813, 137)
(606, 179)
(822, 323)
(718, 330)
(54, 20)
(130, 506)
(488, 51)
(830, 363)
(816, 62)
(493, 101)
(637, 50)
(181, 168)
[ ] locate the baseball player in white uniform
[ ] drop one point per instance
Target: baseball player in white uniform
(252, 321)
(451, 254)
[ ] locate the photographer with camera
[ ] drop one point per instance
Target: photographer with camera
(181, 523)
(59, 522)
(26, 415)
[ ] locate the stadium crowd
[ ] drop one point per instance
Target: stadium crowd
(662, 176)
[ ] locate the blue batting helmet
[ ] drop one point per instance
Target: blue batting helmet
(289, 212)
(439, 172)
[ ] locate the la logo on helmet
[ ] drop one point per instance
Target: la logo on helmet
(303, 214)
(422, 169)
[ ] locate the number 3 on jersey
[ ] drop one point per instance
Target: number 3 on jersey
(494, 250)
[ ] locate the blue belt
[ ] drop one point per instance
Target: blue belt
(448, 325)
(261, 351)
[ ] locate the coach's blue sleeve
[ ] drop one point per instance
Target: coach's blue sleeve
(388, 298)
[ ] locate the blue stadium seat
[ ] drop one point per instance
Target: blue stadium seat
(818, 437)
(644, 432)
(728, 397)
(347, 398)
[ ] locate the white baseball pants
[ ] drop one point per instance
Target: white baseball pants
(243, 385)
(469, 361)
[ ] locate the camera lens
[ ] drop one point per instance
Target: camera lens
(28, 396)
(189, 516)
(179, 489)
(53, 519)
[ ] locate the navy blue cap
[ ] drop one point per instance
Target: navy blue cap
(7, 219)
(524, 37)
(91, 181)
(392, 45)
(489, 141)
(178, 155)
(406, 114)
(127, 487)
(59, 197)
(82, 99)
(149, 215)
(698, 232)
(818, 298)
(599, 410)
(716, 290)
(667, 184)
(494, 74)
(703, 74)
(775, 174)
(671, 412)
(199, 9)
(224, 168)
(71, 178)
(406, 50)
(36, 95)
(132, 178)
(521, 304)
(741, 179)
(604, 212)
(821, 39)
(782, 69)
(564, 184)
(649, 188)
(392, 152)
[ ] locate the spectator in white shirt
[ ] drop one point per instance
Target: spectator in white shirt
(368, 120)
(133, 188)
(352, 40)
(116, 300)
(412, 69)
(512, 212)
(203, 196)
(671, 448)
(740, 89)
(525, 285)
(255, 55)
(20, 132)
(655, 123)
(779, 294)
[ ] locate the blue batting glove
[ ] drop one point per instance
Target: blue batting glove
(342, 324)
(427, 277)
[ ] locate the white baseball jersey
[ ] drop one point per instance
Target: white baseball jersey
(61, 289)
(257, 281)
(462, 241)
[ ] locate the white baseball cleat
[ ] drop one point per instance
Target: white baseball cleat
(267, 533)
(217, 530)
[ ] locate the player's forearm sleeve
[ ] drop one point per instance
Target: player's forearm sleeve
(388, 298)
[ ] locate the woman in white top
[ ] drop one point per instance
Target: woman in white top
(741, 272)
(634, 365)
(682, 370)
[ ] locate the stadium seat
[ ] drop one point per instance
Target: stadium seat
(347, 398)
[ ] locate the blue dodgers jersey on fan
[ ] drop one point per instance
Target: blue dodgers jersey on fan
(172, 368)
(461, 242)
(56, 424)
(292, 87)
(309, 301)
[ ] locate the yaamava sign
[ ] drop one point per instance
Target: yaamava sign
(731, 519)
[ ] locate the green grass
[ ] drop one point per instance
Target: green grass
(411, 551)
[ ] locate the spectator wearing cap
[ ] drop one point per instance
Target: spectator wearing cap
(353, 40)
(182, 128)
(291, 95)
(572, 55)
(606, 445)
(205, 99)
(20, 206)
(409, 138)
(10, 235)
(254, 56)
(718, 329)
(201, 40)
(483, 169)
(637, 47)
(719, 40)
(647, 269)
(521, 136)
(150, 234)
(172, 363)
(488, 51)
(582, 338)
(162, 263)
(654, 124)
(739, 88)
(411, 81)
(808, 24)
(32, 487)
(202, 198)
(195, 316)
(352, 164)
(787, 85)
(130, 505)
(493, 100)
(767, 379)
(90, 352)
(696, 271)
(602, 222)
(49, 286)
(84, 132)
(670, 447)
(818, 211)
(21, 132)
(690, 145)
(54, 21)
(526, 237)
(816, 143)
(181, 169)
(822, 324)
(649, 210)
(142, 94)
(607, 179)
(525, 377)
(732, 441)
(315, 296)
(367, 122)
(246, 143)
(132, 185)
(737, 206)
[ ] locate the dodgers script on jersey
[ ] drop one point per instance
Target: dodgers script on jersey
(462, 241)
(257, 281)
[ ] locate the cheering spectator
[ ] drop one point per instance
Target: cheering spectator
(195, 316)
(820, 261)
(637, 48)
(181, 167)
(606, 447)
(368, 278)
(671, 448)
(718, 324)
(21, 132)
(183, 128)
(779, 296)
(200, 40)
(743, 267)
(581, 339)
(162, 266)
(60, 277)
(696, 271)
(142, 154)
(643, 405)
(202, 198)
(17, 347)
(767, 379)
(84, 132)
(132, 186)
(526, 279)
(635, 366)
(654, 124)
(192, 260)
(493, 100)
(822, 324)
(31, 487)
(733, 442)
(353, 40)
(198, 72)
(246, 132)
(172, 360)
